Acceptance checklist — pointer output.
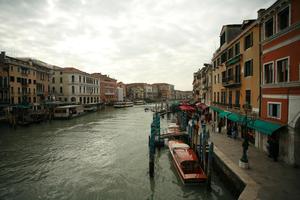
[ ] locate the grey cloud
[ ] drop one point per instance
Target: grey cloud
(132, 40)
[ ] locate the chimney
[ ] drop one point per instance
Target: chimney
(260, 12)
(2, 57)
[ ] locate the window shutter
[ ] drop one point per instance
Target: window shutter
(251, 39)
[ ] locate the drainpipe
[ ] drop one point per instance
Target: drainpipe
(260, 70)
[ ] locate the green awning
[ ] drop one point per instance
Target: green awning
(216, 109)
(236, 117)
(224, 114)
(263, 126)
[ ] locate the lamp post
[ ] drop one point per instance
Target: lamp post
(243, 162)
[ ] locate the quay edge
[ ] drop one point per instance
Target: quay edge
(242, 186)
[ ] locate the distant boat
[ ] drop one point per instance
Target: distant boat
(186, 162)
(69, 111)
(139, 102)
(123, 104)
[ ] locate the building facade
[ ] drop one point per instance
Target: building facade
(74, 86)
(280, 77)
(236, 67)
(25, 81)
(108, 89)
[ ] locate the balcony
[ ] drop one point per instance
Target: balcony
(231, 81)
(233, 60)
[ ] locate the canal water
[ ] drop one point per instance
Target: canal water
(102, 155)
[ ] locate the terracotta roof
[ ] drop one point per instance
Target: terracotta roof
(73, 70)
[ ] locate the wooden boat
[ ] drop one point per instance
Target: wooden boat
(186, 162)
(67, 112)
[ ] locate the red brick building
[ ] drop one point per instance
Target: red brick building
(108, 88)
(280, 75)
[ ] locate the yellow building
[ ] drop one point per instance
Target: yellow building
(236, 71)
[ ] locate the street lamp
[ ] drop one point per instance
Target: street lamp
(243, 162)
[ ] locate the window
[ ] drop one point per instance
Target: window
(268, 73)
(237, 48)
(61, 79)
(230, 98)
(223, 57)
(237, 98)
(274, 110)
(218, 78)
(53, 79)
(80, 89)
(79, 79)
(249, 41)
(230, 74)
(214, 96)
(73, 78)
(222, 39)
(29, 81)
(282, 70)
(61, 90)
(283, 18)
(73, 90)
(12, 79)
(11, 68)
(215, 79)
(230, 53)
(53, 89)
(248, 68)
(18, 79)
(248, 97)
(269, 28)
(218, 99)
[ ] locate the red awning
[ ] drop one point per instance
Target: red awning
(202, 106)
(187, 108)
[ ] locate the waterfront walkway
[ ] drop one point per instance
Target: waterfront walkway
(276, 180)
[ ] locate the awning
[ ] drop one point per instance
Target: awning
(224, 114)
(186, 108)
(202, 106)
(236, 117)
(216, 109)
(263, 126)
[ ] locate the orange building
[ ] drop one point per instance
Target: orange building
(28, 80)
(280, 85)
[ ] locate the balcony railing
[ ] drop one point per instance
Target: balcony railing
(231, 81)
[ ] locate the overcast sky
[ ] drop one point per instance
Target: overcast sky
(131, 40)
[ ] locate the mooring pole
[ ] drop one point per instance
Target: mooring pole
(209, 165)
(151, 150)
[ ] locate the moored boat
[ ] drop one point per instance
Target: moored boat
(67, 112)
(90, 107)
(186, 162)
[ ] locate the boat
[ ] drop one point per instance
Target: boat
(139, 102)
(186, 162)
(92, 107)
(68, 111)
(128, 104)
(123, 104)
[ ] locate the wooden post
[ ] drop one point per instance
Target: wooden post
(209, 165)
